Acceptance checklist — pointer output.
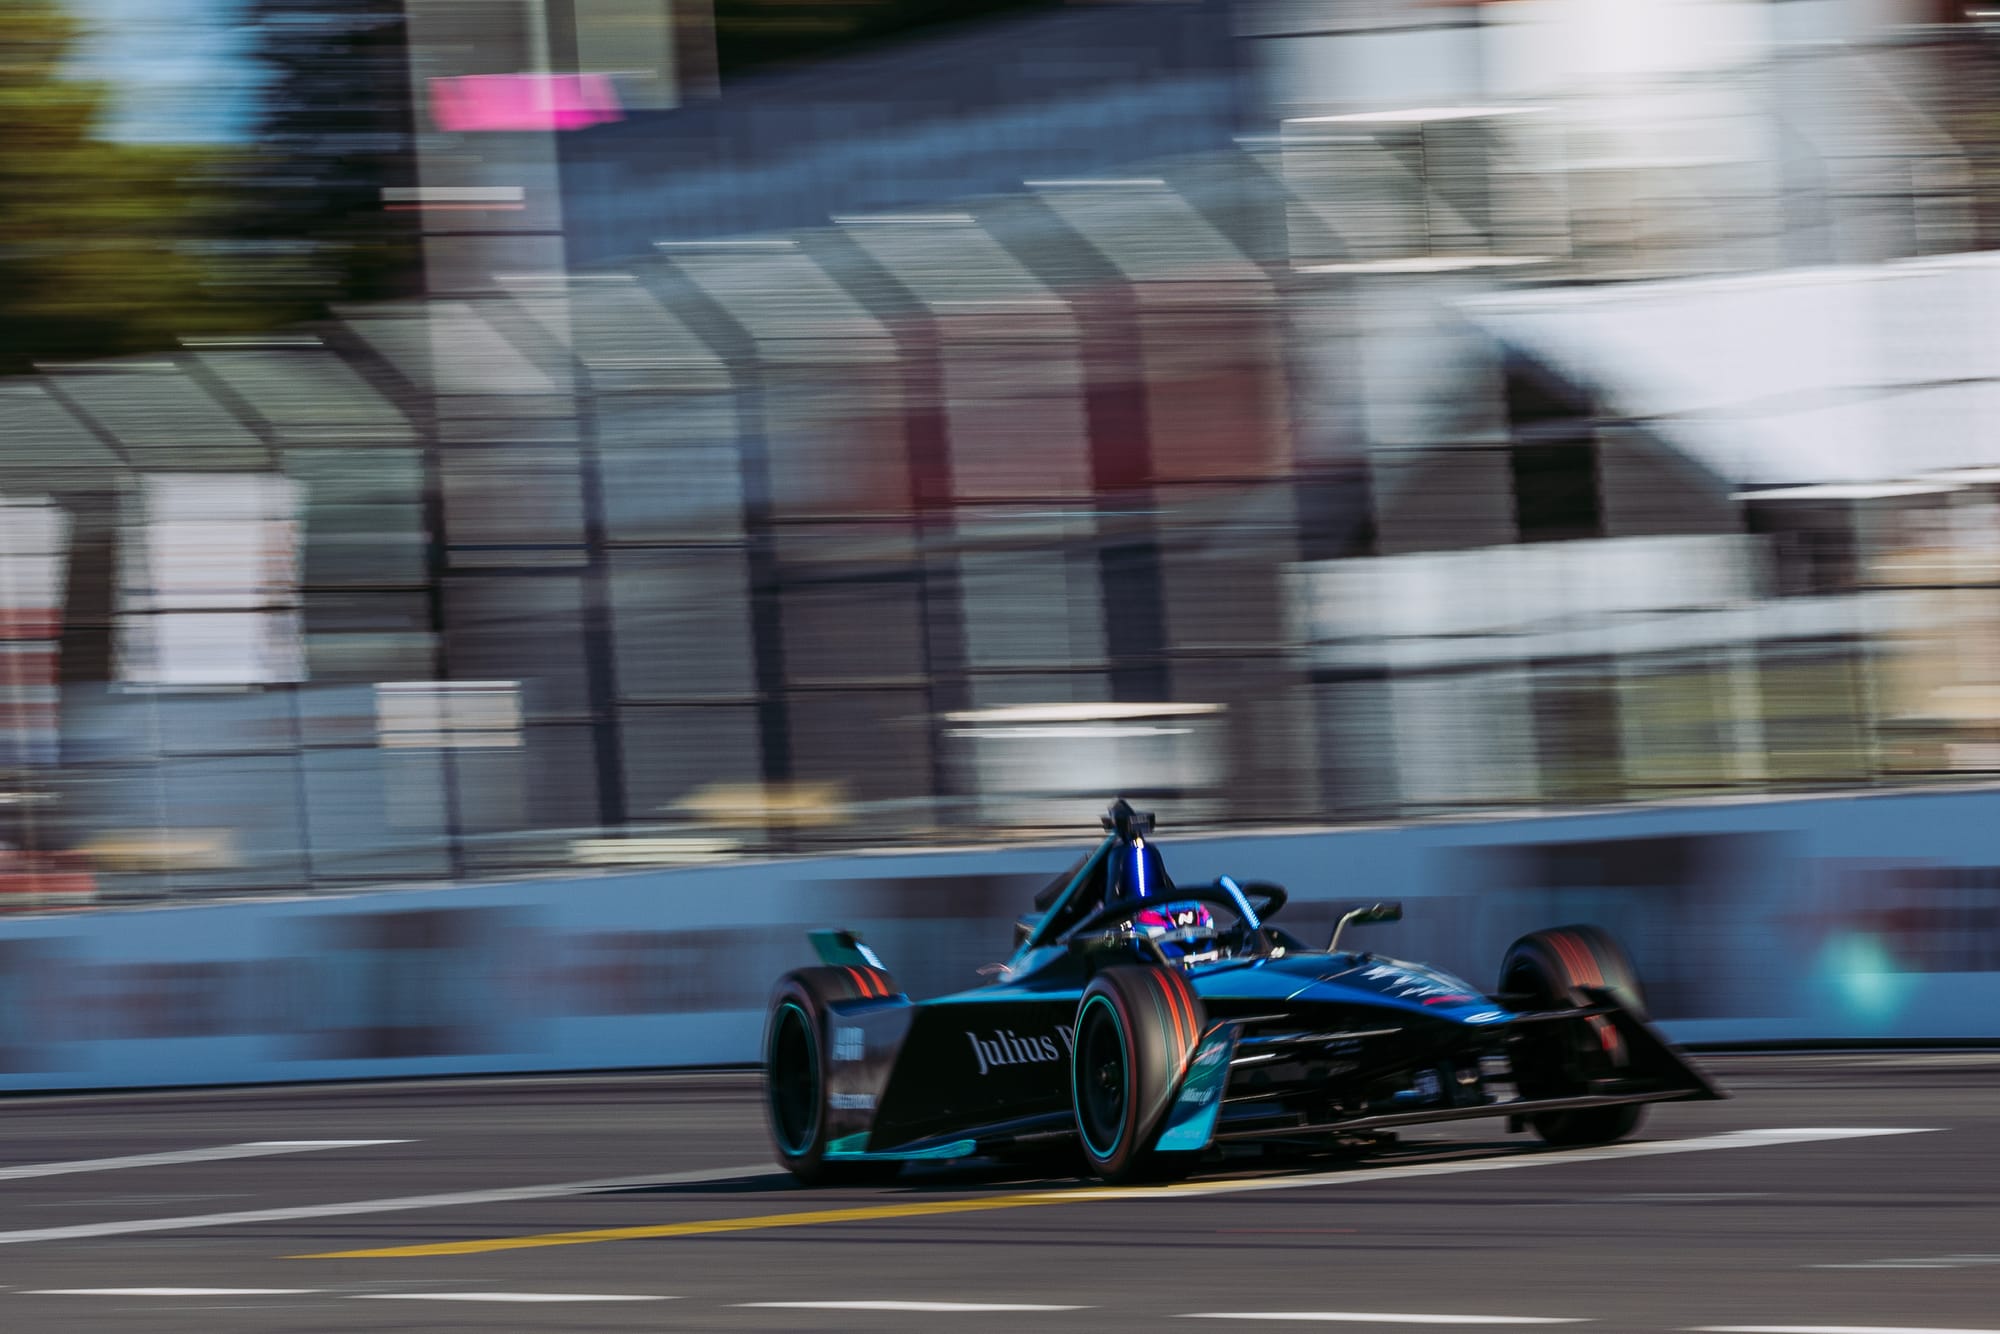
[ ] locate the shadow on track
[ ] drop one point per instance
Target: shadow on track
(983, 1173)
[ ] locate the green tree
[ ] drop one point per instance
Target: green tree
(102, 244)
(335, 128)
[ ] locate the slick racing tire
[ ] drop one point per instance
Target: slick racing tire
(1136, 1030)
(795, 1072)
(1549, 970)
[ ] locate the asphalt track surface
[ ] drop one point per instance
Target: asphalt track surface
(649, 1203)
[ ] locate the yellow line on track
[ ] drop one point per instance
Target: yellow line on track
(709, 1227)
(1454, 1163)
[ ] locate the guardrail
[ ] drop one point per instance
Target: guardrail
(1850, 917)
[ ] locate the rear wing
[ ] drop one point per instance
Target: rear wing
(843, 949)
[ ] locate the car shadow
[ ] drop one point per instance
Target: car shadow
(986, 1174)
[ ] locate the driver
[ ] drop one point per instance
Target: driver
(1184, 932)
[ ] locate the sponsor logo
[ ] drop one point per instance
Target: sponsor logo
(1182, 917)
(848, 1044)
(851, 1102)
(1006, 1047)
(1197, 1097)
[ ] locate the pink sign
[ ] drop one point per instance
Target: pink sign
(523, 101)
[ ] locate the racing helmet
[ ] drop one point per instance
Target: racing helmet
(1139, 872)
(1191, 926)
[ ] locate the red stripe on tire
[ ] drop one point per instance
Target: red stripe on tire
(1590, 963)
(1165, 996)
(1576, 960)
(1564, 959)
(1194, 1022)
(1187, 1005)
(1165, 981)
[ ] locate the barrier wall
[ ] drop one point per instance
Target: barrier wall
(1843, 917)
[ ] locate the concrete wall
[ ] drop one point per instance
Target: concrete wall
(1842, 917)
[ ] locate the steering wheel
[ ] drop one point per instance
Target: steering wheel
(1273, 897)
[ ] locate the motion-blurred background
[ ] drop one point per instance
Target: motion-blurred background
(448, 439)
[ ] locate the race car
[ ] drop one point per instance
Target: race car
(1143, 1026)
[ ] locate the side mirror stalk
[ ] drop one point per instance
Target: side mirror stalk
(1375, 912)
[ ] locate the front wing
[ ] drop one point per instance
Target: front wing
(1654, 1071)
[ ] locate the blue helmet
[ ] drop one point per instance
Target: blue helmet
(1190, 925)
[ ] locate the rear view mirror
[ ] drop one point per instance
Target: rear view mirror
(1368, 916)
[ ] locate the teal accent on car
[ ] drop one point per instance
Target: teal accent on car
(848, 1149)
(812, 1044)
(1191, 1120)
(1125, 1054)
(843, 949)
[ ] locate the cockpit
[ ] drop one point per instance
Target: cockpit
(1122, 892)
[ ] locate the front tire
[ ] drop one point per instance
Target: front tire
(1136, 1030)
(1549, 970)
(795, 1074)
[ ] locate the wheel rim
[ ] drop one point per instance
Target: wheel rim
(794, 1080)
(1101, 1077)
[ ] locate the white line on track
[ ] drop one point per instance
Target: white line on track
(1927, 1262)
(1836, 1329)
(911, 1306)
(169, 1292)
(373, 1089)
(505, 1297)
(1735, 1139)
(1390, 1318)
(264, 1148)
(396, 1204)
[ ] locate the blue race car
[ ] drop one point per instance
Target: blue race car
(1141, 1025)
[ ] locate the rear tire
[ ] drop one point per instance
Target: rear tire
(1549, 970)
(1136, 1030)
(795, 1070)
